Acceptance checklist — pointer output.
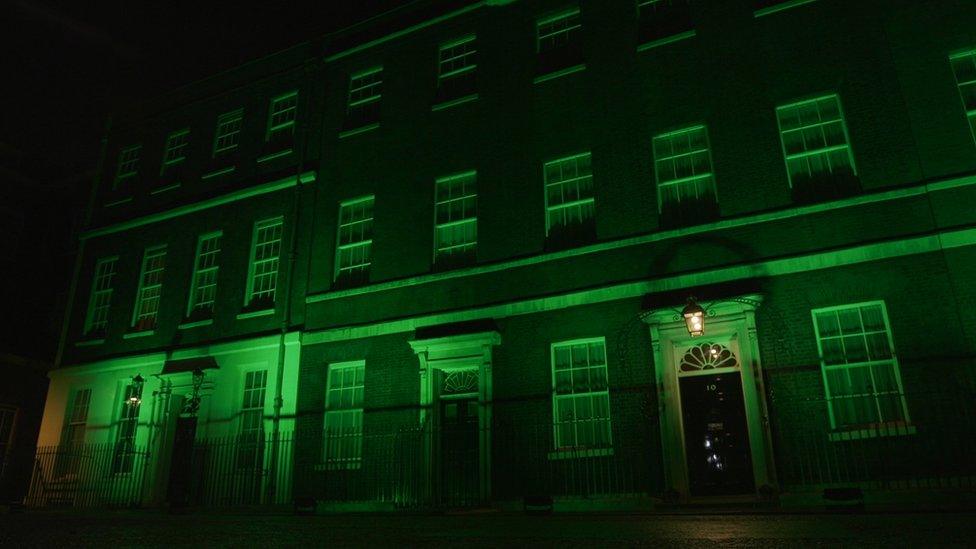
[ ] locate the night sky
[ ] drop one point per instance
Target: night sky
(71, 63)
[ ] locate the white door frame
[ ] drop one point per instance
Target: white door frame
(734, 319)
(455, 353)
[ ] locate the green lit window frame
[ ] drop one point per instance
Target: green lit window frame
(100, 298)
(455, 214)
(354, 237)
(682, 146)
(282, 113)
(175, 150)
(128, 165)
(822, 153)
(250, 449)
(558, 29)
(262, 276)
(123, 460)
(365, 87)
(457, 57)
(594, 397)
(203, 284)
(870, 364)
(145, 314)
(77, 417)
(578, 186)
(342, 437)
(227, 135)
(966, 85)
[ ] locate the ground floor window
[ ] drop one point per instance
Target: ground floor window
(343, 437)
(862, 381)
(580, 400)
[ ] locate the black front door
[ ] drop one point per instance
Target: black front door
(181, 462)
(459, 452)
(716, 435)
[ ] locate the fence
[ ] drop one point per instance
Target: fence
(932, 450)
(87, 475)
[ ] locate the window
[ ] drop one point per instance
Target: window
(685, 182)
(354, 241)
(861, 378)
(580, 400)
(343, 444)
(176, 145)
(203, 287)
(73, 436)
(250, 451)
(456, 69)
(228, 133)
(964, 68)
(455, 219)
(101, 296)
(125, 439)
(819, 161)
(128, 166)
(150, 288)
(281, 117)
(558, 30)
(365, 92)
(7, 415)
(569, 199)
(659, 20)
(262, 283)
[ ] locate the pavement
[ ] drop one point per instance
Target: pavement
(158, 529)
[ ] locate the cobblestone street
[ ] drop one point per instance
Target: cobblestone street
(151, 529)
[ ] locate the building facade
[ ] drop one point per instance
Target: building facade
(442, 259)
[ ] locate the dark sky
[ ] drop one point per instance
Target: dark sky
(68, 64)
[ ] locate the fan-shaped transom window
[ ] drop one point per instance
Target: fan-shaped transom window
(708, 356)
(460, 382)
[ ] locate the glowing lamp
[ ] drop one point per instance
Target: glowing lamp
(694, 318)
(137, 382)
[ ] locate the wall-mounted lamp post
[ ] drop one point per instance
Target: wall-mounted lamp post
(136, 397)
(694, 317)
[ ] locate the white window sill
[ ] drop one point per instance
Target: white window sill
(560, 73)
(272, 156)
(218, 173)
(575, 454)
(785, 5)
(142, 333)
(454, 102)
(255, 314)
(881, 431)
(161, 190)
(118, 202)
(89, 342)
(666, 40)
(359, 130)
(195, 324)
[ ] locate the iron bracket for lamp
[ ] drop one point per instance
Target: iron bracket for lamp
(694, 314)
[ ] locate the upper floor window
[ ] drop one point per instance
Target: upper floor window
(176, 145)
(228, 133)
(685, 181)
(262, 282)
(559, 41)
(250, 453)
(817, 149)
(862, 381)
(569, 200)
(128, 166)
(203, 289)
(354, 241)
(343, 437)
(964, 68)
(663, 20)
(580, 398)
(146, 312)
(125, 435)
(100, 300)
(365, 92)
(455, 219)
(457, 61)
(281, 116)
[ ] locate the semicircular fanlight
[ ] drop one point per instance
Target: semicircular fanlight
(708, 356)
